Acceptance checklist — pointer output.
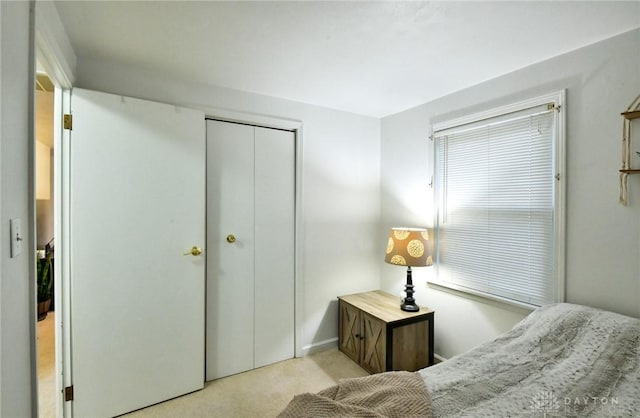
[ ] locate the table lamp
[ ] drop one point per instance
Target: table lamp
(409, 247)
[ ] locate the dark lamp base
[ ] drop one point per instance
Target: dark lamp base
(409, 303)
(409, 307)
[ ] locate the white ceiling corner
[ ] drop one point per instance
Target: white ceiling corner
(374, 58)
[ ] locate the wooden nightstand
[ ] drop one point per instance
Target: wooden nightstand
(378, 335)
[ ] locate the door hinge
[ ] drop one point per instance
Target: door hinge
(67, 121)
(68, 393)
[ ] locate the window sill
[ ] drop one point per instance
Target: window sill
(496, 301)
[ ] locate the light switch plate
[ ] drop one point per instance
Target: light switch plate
(16, 237)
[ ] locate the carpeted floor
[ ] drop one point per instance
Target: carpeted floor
(263, 392)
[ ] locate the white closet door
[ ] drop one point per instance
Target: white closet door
(137, 172)
(250, 282)
(230, 267)
(274, 245)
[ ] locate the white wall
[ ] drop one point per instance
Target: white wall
(602, 238)
(340, 174)
(16, 288)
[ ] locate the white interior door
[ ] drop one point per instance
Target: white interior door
(250, 281)
(230, 267)
(274, 245)
(137, 200)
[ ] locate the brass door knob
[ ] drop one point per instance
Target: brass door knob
(194, 251)
(231, 238)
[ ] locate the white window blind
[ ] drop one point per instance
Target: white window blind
(497, 206)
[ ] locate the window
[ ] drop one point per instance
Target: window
(499, 202)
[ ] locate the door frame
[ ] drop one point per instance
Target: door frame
(296, 126)
(54, 55)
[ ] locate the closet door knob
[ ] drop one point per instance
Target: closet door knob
(194, 251)
(231, 238)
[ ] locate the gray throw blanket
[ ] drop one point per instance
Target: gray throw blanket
(562, 360)
(393, 394)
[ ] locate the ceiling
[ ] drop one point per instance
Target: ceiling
(373, 58)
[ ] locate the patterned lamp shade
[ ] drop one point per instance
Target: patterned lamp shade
(409, 247)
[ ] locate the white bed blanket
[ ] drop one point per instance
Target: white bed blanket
(562, 360)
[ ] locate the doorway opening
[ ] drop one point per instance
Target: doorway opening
(45, 330)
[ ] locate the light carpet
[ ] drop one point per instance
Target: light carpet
(262, 392)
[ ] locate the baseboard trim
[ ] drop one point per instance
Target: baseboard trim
(333, 342)
(439, 358)
(319, 346)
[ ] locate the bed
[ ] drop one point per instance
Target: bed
(563, 360)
